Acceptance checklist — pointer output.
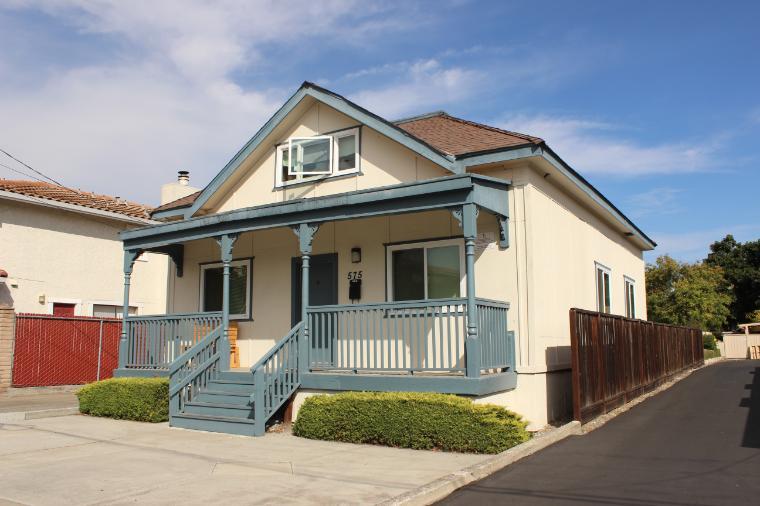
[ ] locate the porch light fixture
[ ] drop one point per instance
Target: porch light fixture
(356, 255)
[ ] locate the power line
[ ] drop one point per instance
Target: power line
(30, 168)
(22, 173)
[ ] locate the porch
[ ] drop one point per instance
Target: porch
(455, 344)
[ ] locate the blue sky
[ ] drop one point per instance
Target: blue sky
(656, 103)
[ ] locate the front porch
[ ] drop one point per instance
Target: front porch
(458, 344)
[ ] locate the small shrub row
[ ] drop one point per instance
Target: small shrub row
(410, 420)
(140, 399)
(712, 353)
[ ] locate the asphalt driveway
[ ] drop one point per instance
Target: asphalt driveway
(695, 443)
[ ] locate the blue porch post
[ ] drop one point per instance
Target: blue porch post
(305, 233)
(469, 217)
(226, 243)
(129, 261)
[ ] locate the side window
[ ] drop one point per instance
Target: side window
(420, 271)
(602, 289)
(630, 297)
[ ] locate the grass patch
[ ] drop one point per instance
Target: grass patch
(140, 399)
(422, 421)
(712, 353)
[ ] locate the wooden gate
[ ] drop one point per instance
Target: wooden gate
(616, 359)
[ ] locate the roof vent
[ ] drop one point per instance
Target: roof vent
(183, 177)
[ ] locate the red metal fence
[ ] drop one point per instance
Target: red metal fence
(64, 350)
(616, 359)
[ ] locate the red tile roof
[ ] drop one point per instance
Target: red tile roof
(57, 193)
(450, 135)
(456, 136)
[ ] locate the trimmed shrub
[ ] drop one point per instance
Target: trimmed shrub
(709, 342)
(140, 399)
(410, 420)
(712, 353)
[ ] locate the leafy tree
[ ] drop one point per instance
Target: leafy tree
(741, 266)
(687, 294)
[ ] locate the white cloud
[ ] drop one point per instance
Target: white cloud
(594, 147)
(166, 97)
(422, 84)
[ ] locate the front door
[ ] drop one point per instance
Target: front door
(323, 283)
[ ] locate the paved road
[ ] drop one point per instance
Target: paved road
(695, 443)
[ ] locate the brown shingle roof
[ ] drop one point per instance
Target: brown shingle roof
(57, 193)
(456, 136)
(180, 202)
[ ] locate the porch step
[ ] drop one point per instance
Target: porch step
(224, 397)
(214, 423)
(218, 409)
(231, 386)
(243, 377)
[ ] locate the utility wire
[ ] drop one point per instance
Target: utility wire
(22, 173)
(30, 168)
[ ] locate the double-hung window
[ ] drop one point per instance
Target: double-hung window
(602, 288)
(630, 297)
(212, 281)
(433, 270)
(302, 159)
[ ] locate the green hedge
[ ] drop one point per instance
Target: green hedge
(712, 353)
(410, 420)
(140, 399)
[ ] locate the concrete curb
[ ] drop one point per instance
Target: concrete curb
(442, 487)
(20, 416)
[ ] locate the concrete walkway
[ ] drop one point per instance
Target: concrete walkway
(86, 460)
(695, 443)
(36, 399)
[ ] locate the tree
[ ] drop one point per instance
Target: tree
(741, 266)
(687, 294)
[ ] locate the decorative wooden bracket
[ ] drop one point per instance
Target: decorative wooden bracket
(305, 233)
(226, 242)
(503, 222)
(130, 255)
(177, 253)
(467, 216)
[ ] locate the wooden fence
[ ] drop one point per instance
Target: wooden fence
(617, 359)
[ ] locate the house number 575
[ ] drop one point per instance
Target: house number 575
(355, 275)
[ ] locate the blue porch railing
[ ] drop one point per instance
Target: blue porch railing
(275, 377)
(154, 342)
(409, 336)
(193, 370)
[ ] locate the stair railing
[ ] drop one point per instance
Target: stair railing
(193, 370)
(275, 378)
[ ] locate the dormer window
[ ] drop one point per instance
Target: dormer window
(303, 159)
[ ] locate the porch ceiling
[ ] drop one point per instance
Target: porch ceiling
(440, 193)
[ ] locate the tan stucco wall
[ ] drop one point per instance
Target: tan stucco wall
(71, 257)
(383, 162)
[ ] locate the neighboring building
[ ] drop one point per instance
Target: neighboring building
(443, 255)
(61, 250)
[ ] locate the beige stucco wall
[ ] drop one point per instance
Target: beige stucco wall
(65, 256)
(383, 162)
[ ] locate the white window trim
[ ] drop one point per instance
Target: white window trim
(300, 178)
(90, 305)
(330, 162)
(597, 267)
(425, 244)
(630, 281)
(234, 263)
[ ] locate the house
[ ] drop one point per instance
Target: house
(62, 252)
(338, 250)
